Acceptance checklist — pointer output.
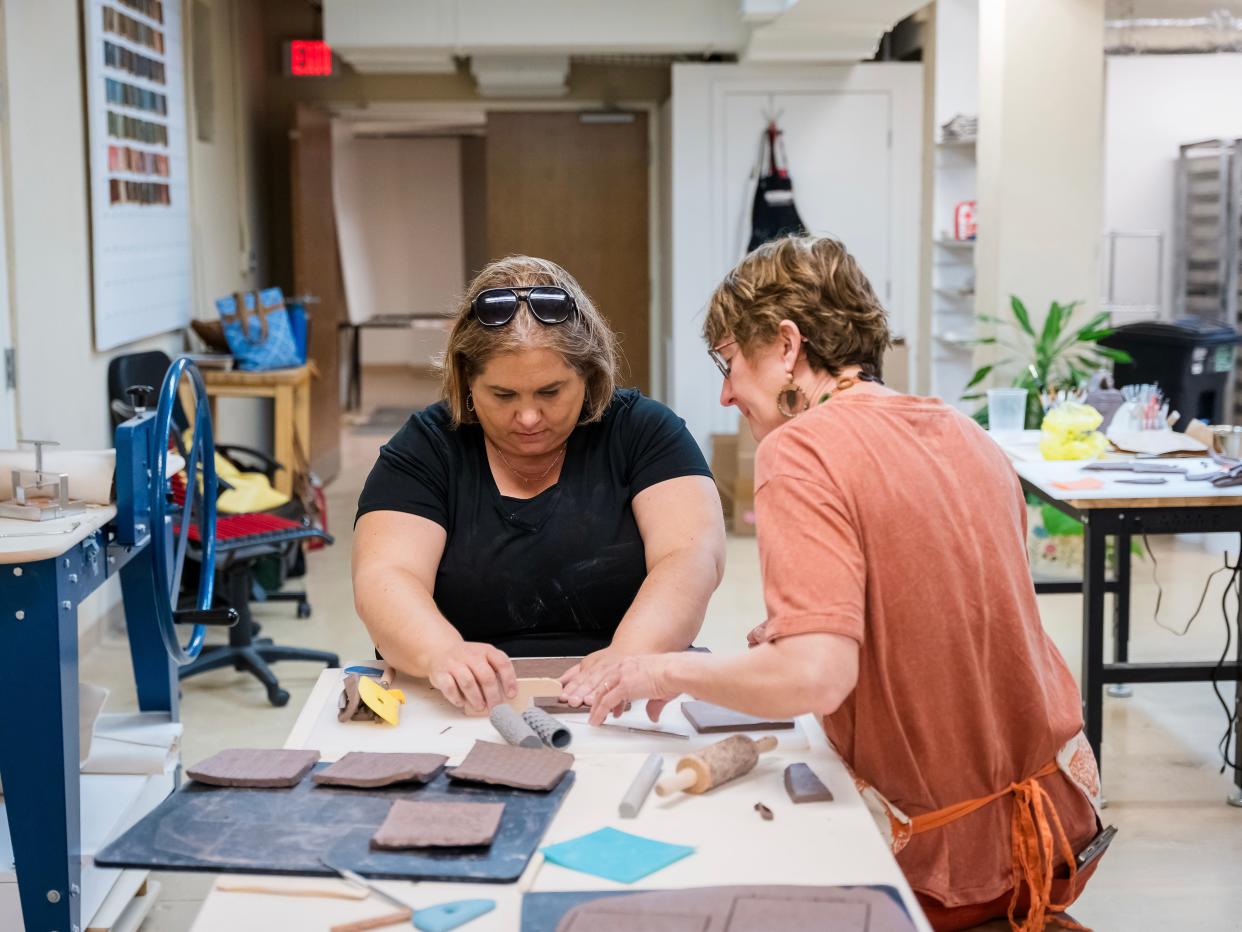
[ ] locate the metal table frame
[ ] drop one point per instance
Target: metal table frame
(1123, 520)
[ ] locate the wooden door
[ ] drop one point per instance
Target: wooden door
(317, 271)
(575, 191)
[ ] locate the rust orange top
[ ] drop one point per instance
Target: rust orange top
(896, 521)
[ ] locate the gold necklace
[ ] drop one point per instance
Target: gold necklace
(528, 480)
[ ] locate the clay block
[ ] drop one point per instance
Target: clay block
(804, 787)
(367, 768)
(524, 768)
(438, 825)
(707, 719)
(257, 767)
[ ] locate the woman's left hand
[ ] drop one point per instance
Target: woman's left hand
(613, 680)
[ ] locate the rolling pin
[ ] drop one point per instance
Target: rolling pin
(716, 764)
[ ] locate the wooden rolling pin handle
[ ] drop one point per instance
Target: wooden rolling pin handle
(766, 743)
(678, 782)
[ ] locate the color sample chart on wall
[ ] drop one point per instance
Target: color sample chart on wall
(140, 195)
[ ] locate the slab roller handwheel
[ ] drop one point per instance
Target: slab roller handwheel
(172, 519)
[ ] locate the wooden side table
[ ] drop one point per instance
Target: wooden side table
(289, 390)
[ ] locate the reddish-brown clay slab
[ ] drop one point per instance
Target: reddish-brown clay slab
(804, 787)
(438, 825)
(708, 719)
(777, 908)
(256, 767)
(524, 768)
(369, 768)
(638, 922)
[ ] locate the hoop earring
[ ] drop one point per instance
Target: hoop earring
(470, 401)
(791, 400)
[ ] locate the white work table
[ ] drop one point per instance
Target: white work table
(1124, 511)
(814, 843)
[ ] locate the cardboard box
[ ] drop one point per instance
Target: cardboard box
(744, 483)
(724, 470)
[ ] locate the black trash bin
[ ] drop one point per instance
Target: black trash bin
(1191, 359)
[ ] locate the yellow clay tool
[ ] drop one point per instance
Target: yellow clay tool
(383, 702)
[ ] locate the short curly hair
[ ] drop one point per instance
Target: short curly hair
(585, 341)
(813, 282)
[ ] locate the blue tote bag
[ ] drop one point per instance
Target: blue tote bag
(257, 328)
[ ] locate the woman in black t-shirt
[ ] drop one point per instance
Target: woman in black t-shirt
(538, 510)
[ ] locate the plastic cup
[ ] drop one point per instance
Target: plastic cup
(1006, 410)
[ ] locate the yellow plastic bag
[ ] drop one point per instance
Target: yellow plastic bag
(1069, 433)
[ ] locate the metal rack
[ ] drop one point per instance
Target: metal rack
(1209, 197)
(1209, 235)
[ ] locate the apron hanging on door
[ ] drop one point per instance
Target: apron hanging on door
(773, 214)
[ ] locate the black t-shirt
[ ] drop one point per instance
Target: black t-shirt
(548, 576)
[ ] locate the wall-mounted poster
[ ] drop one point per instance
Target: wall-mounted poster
(140, 193)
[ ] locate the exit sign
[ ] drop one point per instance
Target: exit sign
(308, 58)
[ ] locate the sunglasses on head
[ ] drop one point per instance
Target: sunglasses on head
(549, 304)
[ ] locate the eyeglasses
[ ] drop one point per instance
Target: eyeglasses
(724, 365)
(495, 307)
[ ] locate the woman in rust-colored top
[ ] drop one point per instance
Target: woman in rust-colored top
(899, 602)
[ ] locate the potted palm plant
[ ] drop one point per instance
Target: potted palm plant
(1056, 355)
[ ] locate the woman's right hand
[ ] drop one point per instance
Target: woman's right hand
(473, 676)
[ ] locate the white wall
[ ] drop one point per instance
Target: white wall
(62, 381)
(853, 136)
(1154, 103)
(399, 220)
(1041, 103)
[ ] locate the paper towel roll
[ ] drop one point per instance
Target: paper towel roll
(90, 471)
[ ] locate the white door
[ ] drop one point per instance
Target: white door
(853, 146)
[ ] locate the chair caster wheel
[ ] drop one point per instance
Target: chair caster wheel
(278, 697)
(304, 610)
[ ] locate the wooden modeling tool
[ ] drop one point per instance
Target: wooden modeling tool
(716, 764)
(532, 688)
(383, 702)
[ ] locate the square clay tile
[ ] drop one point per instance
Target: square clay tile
(257, 767)
(707, 719)
(369, 769)
(524, 768)
(438, 825)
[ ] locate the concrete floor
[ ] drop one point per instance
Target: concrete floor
(1174, 865)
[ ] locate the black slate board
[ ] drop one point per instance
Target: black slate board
(288, 831)
(541, 912)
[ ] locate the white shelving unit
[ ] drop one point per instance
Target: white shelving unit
(952, 273)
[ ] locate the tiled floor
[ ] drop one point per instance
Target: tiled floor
(1174, 865)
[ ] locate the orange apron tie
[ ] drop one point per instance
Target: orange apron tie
(1033, 847)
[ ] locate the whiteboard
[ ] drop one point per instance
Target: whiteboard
(139, 172)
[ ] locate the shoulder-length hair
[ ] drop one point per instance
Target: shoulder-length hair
(585, 341)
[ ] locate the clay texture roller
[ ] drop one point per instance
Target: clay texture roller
(716, 764)
(513, 728)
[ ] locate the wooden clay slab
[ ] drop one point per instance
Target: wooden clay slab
(804, 787)
(708, 719)
(370, 768)
(255, 767)
(553, 668)
(438, 825)
(502, 764)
